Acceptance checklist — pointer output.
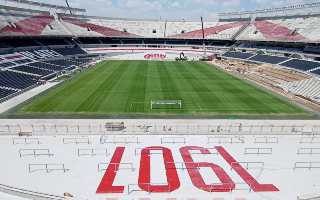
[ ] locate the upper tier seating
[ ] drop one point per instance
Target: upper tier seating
(269, 59)
(299, 29)
(26, 25)
(16, 80)
(87, 27)
(301, 64)
(240, 55)
(287, 29)
(219, 31)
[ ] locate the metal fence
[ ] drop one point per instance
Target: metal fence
(157, 129)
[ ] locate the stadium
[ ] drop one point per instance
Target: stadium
(117, 108)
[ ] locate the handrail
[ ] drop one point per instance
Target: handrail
(28, 193)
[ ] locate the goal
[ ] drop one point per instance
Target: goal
(166, 104)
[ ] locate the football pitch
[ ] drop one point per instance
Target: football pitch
(127, 88)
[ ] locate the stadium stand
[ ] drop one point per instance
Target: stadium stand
(46, 66)
(274, 30)
(239, 55)
(64, 63)
(85, 27)
(27, 22)
(67, 51)
(312, 49)
(268, 59)
(309, 88)
(303, 65)
(316, 71)
(285, 29)
(32, 70)
(26, 56)
(5, 92)
(15, 80)
(30, 25)
(226, 29)
(6, 64)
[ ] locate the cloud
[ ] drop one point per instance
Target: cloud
(172, 9)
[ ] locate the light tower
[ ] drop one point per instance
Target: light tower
(67, 3)
(203, 38)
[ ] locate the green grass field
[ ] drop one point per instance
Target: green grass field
(126, 88)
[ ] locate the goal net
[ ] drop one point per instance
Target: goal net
(166, 104)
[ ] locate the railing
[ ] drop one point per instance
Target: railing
(28, 194)
(116, 166)
(35, 152)
(306, 165)
(47, 168)
(217, 132)
(258, 151)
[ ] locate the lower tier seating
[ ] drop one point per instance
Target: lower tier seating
(70, 51)
(6, 64)
(5, 92)
(316, 72)
(46, 66)
(64, 63)
(269, 59)
(33, 70)
(16, 80)
(303, 65)
(309, 88)
(240, 55)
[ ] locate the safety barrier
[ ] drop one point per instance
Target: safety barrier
(76, 140)
(226, 140)
(25, 141)
(266, 140)
(85, 152)
(258, 151)
(35, 152)
(116, 166)
(47, 167)
(173, 140)
(306, 165)
(308, 151)
(119, 140)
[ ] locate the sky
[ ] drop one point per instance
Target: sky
(171, 9)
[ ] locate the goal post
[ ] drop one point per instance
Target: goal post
(166, 104)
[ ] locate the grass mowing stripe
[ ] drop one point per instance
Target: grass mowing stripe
(70, 88)
(168, 86)
(190, 99)
(207, 98)
(136, 96)
(114, 86)
(250, 95)
(101, 92)
(229, 90)
(96, 81)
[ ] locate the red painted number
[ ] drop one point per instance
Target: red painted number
(244, 174)
(173, 182)
(106, 185)
(226, 184)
